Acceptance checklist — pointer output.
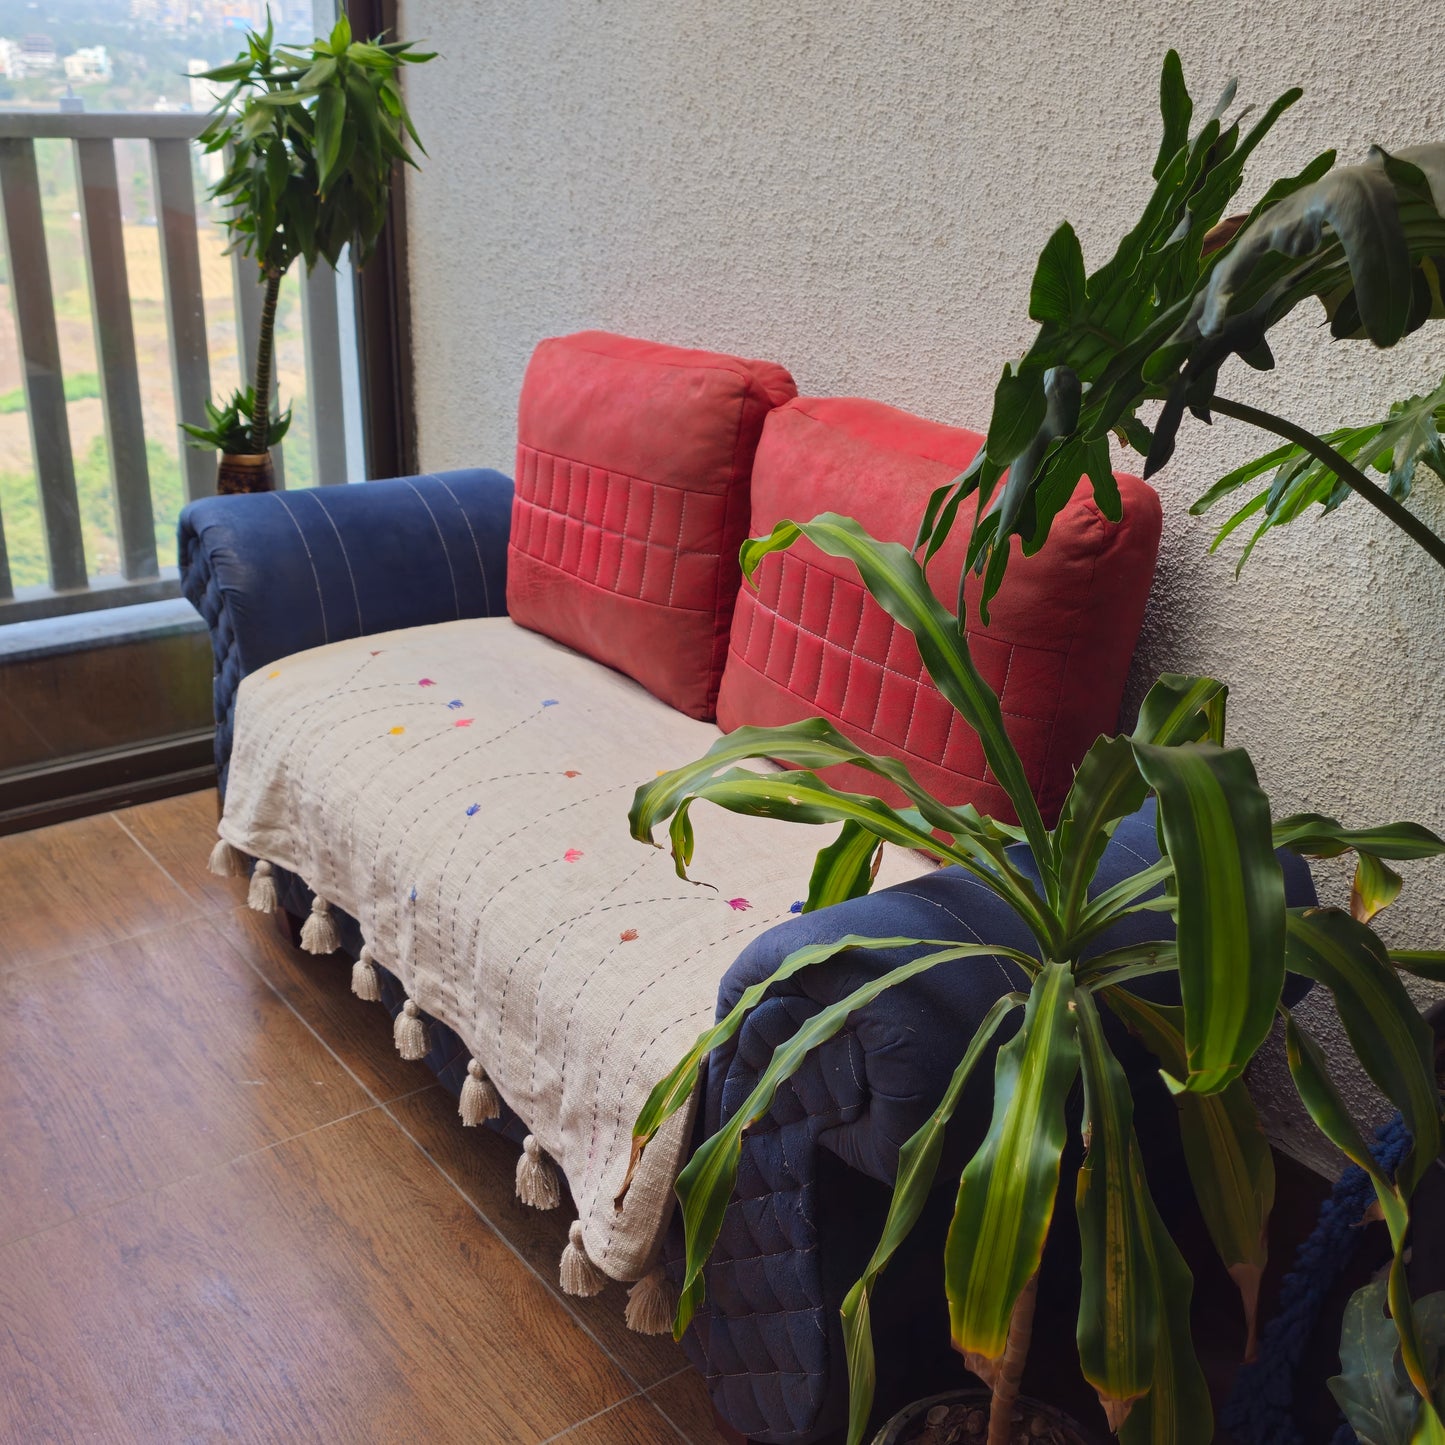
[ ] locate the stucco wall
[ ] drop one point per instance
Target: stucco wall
(858, 189)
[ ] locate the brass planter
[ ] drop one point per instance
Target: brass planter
(245, 473)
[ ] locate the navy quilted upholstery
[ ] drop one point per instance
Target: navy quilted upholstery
(274, 573)
(770, 1346)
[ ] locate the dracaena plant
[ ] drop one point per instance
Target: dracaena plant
(312, 140)
(1219, 882)
(1186, 290)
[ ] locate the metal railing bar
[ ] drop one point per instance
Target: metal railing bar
(99, 191)
(101, 125)
(32, 602)
(321, 330)
(249, 292)
(175, 203)
(34, 304)
(6, 589)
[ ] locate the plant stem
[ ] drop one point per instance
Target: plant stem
(1346, 471)
(1010, 1370)
(265, 343)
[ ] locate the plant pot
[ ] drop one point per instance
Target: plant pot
(960, 1417)
(245, 473)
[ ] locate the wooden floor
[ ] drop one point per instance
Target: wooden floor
(230, 1212)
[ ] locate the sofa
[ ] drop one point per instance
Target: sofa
(435, 695)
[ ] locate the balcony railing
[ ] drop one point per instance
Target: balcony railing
(143, 574)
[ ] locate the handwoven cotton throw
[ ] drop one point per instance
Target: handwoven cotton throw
(462, 791)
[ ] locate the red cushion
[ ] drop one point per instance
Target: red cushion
(633, 466)
(810, 641)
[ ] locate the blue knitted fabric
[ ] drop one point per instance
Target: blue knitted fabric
(1260, 1408)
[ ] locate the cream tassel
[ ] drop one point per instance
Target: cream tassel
(318, 933)
(579, 1275)
(262, 896)
(479, 1101)
(226, 861)
(651, 1304)
(364, 982)
(537, 1182)
(410, 1032)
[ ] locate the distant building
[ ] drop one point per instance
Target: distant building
(38, 53)
(30, 55)
(90, 62)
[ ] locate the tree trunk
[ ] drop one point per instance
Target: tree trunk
(1010, 1370)
(265, 345)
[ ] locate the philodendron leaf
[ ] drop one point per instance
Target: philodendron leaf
(1006, 1195)
(1229, 1159)
(1119, 1297)
(1215, 822)
(1385, 1029)
(1057, 293)
(1356, 205)
(917, 1167)
(1062, 394)
(706, 1184)
(1177, 1409)
(1372, 1388)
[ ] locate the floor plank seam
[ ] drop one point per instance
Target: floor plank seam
(166, 872)
(466, 1198)
(219, 1165)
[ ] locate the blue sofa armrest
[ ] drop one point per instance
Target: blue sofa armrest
(274, 573)
(768, 1338)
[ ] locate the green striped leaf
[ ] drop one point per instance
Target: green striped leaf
(803, 797)
(1216, 827)
(1229, 1159)
(1422, 962)
(705, 1186)
(1119, 1299)
(845, 868)
(917, 1167)
(671, 1093)
(1006, 1196)
(1376, 886)
(1177, 1409)
(1108, 785)
(1315, 836)
(897, 583)
(979, 844)
(1389, 1037)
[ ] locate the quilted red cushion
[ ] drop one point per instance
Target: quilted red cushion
(633, 468)
(810, 641)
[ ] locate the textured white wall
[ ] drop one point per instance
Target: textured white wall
(858, 189)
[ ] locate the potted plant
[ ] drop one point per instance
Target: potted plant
(1153, 324)
(312, 139)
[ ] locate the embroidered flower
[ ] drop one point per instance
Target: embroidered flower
(270, 675)
(739, 905)
(455, 703)
(796, 906)
(571, 773)
(474, 810)
(425, 682)
(627, 935)
(549, 702)
(411, 897)
(395, 731)
(571, 855)
(464, 722)
(377, 651)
